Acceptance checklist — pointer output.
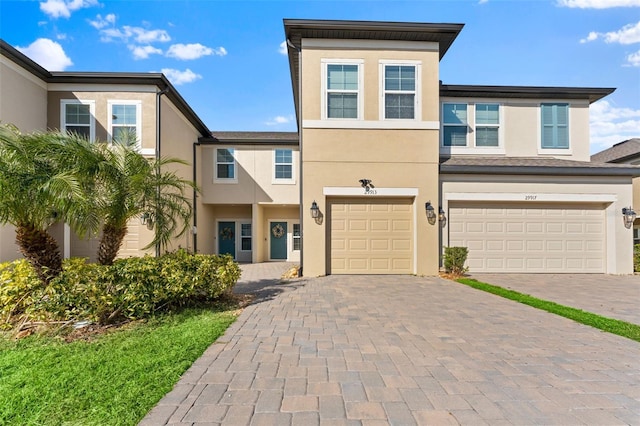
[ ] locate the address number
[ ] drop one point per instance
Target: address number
(530, 197)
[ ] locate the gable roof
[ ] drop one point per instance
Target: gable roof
(620, 152)
(533, 166)
(154, 79)
(252, 138)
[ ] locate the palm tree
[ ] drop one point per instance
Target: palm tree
(134, 186)
(39, 186)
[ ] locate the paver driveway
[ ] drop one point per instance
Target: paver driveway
(405, 350)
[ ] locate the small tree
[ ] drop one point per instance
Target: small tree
(454, 260)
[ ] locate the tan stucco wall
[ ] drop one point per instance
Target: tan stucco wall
(619, 239)
(636, 194)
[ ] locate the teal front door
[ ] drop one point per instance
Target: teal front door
(227, 238)
(278, 233)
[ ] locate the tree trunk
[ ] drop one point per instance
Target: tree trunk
(41, 250)
(110, 242)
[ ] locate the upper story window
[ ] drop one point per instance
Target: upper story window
(555, 126)
(342, 88)
(225, 165)
(78, 117)
(454, 124)
(283, 165)
(400, 93)
(487, 127)
(125, 119)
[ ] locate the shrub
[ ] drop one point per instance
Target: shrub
(454, 260)
(636, 258)
(131, 288)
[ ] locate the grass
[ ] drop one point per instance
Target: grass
(113, 380)
(621, 328)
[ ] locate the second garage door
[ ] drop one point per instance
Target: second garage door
(530, 238)
(371, 236)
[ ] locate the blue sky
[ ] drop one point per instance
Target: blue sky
(226, 57)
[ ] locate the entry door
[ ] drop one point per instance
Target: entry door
(278, 233)
(227, 238)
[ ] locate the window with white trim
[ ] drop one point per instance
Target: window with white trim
(283, 165)
(400, 98)
(555, 126)
(342, 85)
(245, 237)
(454, 124)
(296, 237)
(125, 119)
(225, 165)
(77, 116)
(487, 128)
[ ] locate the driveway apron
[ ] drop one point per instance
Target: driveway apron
(364, 350)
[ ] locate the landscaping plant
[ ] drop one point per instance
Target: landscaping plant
(454, 260)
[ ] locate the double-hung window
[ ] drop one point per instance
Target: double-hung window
(296, 237)
(400, 98)
(342, 86)
(78, 117)
(125, 121)
(454, 124)
(225, 163)
(245, 237)
(283, 165)
(487, 125)
(555, 126)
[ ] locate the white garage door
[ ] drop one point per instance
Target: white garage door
(531, 238)
(371, 236)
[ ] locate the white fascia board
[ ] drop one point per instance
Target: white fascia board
(357, 191)
(310, 43)
(371, 124)
(76, 87)
(530, 197)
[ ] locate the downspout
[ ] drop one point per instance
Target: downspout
(299, 50)
(158, 145)
(194, 230)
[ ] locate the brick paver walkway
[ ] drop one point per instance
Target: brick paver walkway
(404, 350)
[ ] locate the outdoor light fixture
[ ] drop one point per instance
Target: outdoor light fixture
(366, 183)
(146, 219)
(442, 218)
(431, 212)
(315, 210)
(628, 216)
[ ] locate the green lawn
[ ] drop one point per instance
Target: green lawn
(114, 380)
(621, 328)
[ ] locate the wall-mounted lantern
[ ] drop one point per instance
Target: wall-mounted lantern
(628, 216)
(315, 210)
(442, 218)
(147, 219)
(431, 212)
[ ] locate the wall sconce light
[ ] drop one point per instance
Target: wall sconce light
(442, 218)
(147, 219)
(431, 212)
(628, 216)
(315, 210)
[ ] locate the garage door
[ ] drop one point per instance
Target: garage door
(371, 236)
(531, 238)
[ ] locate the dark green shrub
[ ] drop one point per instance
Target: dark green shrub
(636, 258)
(454, 260)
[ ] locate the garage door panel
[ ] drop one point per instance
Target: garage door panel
(378, 238)
(538, 238)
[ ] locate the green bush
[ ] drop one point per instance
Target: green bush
(131, 288)
(454, 259)
(636, 258)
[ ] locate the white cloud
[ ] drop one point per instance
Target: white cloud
(280, 119)
(629, 34)
(139, 34)
(178, 77)
(143, 52)
(283, 48)
(63, 8)
(186, 52)
(101, 22)
(598, 4)
(610, 124)
(49, 54)
(634, 59)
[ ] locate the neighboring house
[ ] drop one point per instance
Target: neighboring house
(389, 165)
(98, 105)
(625, 152)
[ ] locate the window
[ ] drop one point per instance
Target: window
(636, 236)
(487, 124)
(342, 85)
(124, 121)
(399, 91)
(78, 117)
(283, 164)
(454, 124)
(245, 237)
(225, 165)
(296, 237)
(555, 126)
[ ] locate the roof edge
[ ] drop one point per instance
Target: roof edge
(593, 94)
(24, 61)
(540, 170)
